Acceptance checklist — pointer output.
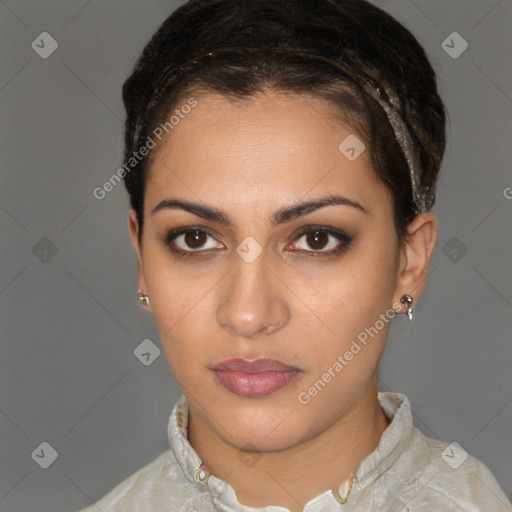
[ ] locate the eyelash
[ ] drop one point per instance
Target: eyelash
(345, 241)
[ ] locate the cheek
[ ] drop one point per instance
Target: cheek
(176, 288)
(351, 295)
(181, 303)
(350, 304)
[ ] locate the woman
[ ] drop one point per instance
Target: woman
(281, 161)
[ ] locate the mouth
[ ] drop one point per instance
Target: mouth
(256, 378)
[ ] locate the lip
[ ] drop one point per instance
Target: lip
(254, 378)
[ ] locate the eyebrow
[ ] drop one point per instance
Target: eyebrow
(282, 216)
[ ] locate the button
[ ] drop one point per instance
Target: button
(201, 476)
(343, 491)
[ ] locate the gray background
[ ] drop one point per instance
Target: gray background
(69, 321)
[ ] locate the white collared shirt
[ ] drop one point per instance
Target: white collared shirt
(407, 472)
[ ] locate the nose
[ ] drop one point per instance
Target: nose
(252, 301)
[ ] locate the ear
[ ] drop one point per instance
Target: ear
(415, 254)
(133, 229)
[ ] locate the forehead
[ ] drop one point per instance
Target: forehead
(277, 144)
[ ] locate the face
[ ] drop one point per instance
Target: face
(268, 257)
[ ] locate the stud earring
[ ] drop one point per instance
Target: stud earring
(143, 299)
(408, 300)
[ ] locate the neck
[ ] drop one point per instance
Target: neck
(293, 476)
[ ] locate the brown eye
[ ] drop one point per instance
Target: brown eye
(317, 240)
(187, 241)
(322, 241)
(195, 239)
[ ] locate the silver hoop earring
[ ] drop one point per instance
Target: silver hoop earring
(143, 299)
(408, 300)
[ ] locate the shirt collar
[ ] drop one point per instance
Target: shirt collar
(392, 442)
(177, 431)
(396, 406)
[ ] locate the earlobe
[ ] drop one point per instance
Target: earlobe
(133, 229)
(416, 253)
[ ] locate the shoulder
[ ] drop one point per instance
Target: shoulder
(161, 482)
(443, 476)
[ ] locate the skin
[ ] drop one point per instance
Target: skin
(250, 159)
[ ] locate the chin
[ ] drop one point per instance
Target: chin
(262, 424)
(256, 438)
